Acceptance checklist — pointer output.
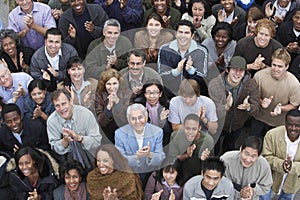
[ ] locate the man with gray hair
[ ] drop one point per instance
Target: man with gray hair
(13, 87)
(140, 142)
(109, 51)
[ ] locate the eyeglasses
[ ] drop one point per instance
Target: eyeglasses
(134, 119)
(135, 63)
(154, 93)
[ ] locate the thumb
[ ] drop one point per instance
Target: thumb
(271, 97)
(247, 98)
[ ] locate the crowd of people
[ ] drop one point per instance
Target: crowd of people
(150, 99)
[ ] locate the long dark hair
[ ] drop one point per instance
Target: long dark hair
(38, 158)
(171, 167)
(163, 100)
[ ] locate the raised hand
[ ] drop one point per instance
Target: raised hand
(190, 150)
(229, 101)
(34, 195)
(52, 71)
(287, 164)
(89, 26)
(110, 194)
(245, 105)
(266, 102)
(189, 64)
(87, 101)
(269, 9)
(205, 154)
(197, 21)
(277, 110)
(156, 196)
(37, 112)
(72, 31)
(221, 18)
(18, 93)
(180, 65)
(172, 195)
(166, 20)
(164, 114)
(122, 3)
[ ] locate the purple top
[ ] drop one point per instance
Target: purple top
(42, 16)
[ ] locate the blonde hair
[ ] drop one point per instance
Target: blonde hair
(265, 23)
(283, 55)
(189, 87)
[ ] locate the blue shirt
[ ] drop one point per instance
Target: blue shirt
(42, 16)
(17, 78)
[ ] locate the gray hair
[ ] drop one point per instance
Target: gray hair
(112, 22)
(136, 106)
(8, 33)
(3, 67)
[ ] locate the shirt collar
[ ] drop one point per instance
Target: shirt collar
(174, 45)
(49, 57)
(288, 141)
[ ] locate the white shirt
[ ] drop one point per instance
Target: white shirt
(54, 61)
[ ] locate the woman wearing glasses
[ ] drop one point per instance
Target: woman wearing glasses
(157, 104)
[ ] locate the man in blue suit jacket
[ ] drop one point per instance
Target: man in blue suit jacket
(140, 142)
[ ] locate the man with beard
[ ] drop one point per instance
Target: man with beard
(136, 75)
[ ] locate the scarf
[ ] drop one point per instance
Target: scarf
(80, 193)
(153, 114)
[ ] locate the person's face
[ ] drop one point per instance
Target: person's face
(27, 165)
(78, 6)
(152, 94)
(198, 9)
(221, 38)
(13, 121)
(211, 179)
(296, 21)
(137, 120)
(278, 69)
(105, 163)
(112, 85)
(53, 44)
(251, 24)
(154, 27)
(170, 177)
(111, 35)
(5, 78)
(189, 100)
(235, 76)
(191, 129)
(263, 37)
(136, 66)
(248, 156)
(25, 5)
(292, 126)
(63, 106)
(283, 3)
(228, 4)
(72, 180)
(76, 72)
(160, 6)
(184, 36)
(9, 46)
(38, 95)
